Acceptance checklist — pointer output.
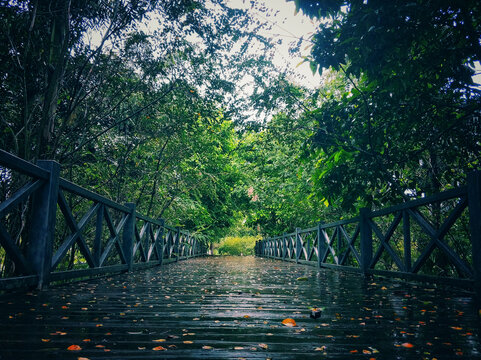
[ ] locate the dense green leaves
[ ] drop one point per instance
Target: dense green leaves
(395, 117)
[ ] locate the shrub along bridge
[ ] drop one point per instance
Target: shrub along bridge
(53, 232)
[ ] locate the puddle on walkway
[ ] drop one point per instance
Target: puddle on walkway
(233, 308)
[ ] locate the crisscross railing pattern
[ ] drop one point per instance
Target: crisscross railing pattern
(54, 230)
(431, 238)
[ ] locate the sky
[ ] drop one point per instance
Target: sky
(286, 31)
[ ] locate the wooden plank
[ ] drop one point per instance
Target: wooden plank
(77, 232)
(90, 195)
(18, 283)
(384, 241)
(13, 162)
(474, 198)
(19, 196)
(14, 253)
(446, 195)
(42, 225)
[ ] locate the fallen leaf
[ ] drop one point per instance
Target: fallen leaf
(263, 346)
(86, 340)
(246, 316)
(302, 278)
(188, 342)
(289, 322)
(159, 348)
(206, 347)
(82, 358)
(159, 340)
(74, 348)
(407, 345)
(141, 347)
(238, 348)
(322, 348)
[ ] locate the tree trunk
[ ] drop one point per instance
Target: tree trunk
(59, 39)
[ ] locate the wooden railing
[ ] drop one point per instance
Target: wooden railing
(431, 238)
(52, 230)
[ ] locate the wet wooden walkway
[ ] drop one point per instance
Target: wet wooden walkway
(233, 308)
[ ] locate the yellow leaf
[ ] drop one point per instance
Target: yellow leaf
(159, 340)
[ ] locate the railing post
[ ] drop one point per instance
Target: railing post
(407, 241)
(128, 235)
(284, 246)
(366, 240)
(177, 244)
(320, 247)
(298, 245)
(42, 230)
(97, 248)
(474, 203)
(160, 244)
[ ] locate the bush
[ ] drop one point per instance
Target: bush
(235, 245)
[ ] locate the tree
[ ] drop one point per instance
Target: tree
(399, 121)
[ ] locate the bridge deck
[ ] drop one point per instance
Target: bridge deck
(233, 308)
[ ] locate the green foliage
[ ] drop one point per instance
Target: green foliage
(234, 245)
(394, 114)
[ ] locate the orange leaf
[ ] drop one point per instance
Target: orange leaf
(82, 358)
(246, 316)
(289, 322)
(456, 328)
(100, 346)
(74, 348)
(407, 345)
(354, 351)
(159, 340)
(206, 347)
(159, 348)
(45, 340)
(188, 342)
(86, 340)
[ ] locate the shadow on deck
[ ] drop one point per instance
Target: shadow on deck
(233, 308)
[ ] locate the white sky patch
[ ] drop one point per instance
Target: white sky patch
(286, 31)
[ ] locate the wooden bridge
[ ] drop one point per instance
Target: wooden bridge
(233, 308)
(138, 300)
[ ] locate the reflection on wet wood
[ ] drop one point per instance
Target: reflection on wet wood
(234, 308)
